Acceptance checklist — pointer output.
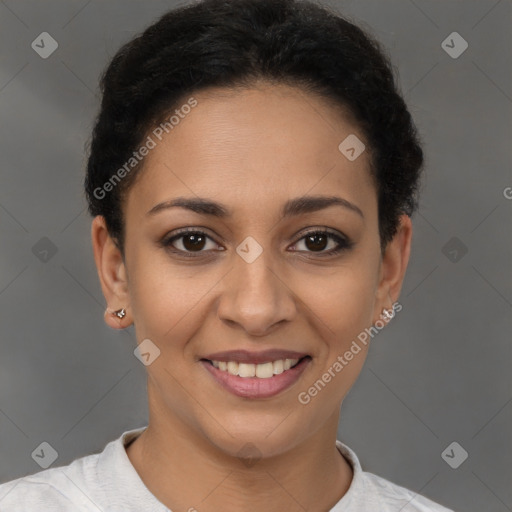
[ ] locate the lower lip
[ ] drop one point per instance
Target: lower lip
(254, 387)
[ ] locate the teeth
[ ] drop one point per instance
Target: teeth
(246, 370)
(262, 371)
(278, 367)
(232, 368)
(265, 370)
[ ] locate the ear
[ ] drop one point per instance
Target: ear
(393, 266)
(112, 273)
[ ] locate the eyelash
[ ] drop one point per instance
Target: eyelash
(344, 244)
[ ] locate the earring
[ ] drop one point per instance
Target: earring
(388, 314)
(120, 313)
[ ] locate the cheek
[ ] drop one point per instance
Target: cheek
(352, 306)
(344, 300)
(167, 300)
(342, 310)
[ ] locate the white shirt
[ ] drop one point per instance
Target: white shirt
(108, 482)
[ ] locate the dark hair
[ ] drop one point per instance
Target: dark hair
(237, 43)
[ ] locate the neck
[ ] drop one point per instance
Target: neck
(185, 471)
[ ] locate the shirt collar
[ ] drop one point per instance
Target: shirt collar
(126, 477)
(115, 456)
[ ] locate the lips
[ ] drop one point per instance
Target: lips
(256, 374)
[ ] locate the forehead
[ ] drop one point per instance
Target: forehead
(263, 144)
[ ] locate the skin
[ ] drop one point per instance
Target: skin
(251, 149)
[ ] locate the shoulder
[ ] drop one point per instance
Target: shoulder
(88, 484)
(372, 492)
(57, 489)
(397, 497)
(46, 490)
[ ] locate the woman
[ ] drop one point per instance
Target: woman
(252, 175)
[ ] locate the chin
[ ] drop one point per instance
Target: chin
(255, 439)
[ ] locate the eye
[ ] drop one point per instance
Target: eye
(318, 240)
(188, 242)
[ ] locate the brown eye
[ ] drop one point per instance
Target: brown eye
(193, 241)
(318, 241)
(189, 241)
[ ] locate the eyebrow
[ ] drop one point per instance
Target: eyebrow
(293, 207)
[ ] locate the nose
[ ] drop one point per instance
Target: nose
(255, 297)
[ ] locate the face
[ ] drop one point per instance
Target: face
(264, 276)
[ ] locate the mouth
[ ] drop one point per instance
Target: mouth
(260, 371)
(261, 379)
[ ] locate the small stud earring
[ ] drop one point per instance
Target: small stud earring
(388, 314)
(120, 313)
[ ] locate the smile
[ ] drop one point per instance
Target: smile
(261, 371)
(256, 380)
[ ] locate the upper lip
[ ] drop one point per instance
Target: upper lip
(245, 356)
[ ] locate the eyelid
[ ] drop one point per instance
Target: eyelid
(343, 241)
(321, 229)
(166, 241)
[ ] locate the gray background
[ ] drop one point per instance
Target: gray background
(440, 372)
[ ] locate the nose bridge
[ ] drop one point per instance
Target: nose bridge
(254, 296)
